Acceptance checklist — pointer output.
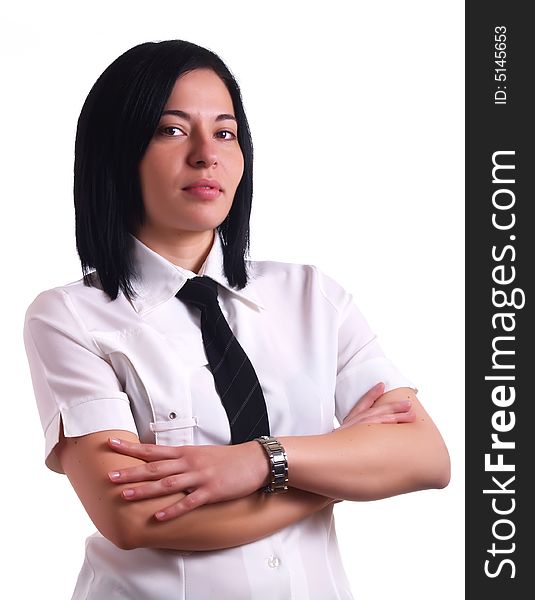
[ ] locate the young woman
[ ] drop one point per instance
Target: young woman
(130, 398)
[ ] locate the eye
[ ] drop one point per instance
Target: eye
(228, 135)
(171, 131)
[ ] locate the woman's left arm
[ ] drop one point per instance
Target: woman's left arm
(368, 461)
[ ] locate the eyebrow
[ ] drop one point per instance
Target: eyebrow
(187, 117)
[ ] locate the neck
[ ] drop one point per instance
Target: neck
(185, 249)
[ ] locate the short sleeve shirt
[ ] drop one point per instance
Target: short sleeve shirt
(140, 366)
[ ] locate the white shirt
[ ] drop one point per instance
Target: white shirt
(99, 364)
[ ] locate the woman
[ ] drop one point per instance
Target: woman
(162, 189)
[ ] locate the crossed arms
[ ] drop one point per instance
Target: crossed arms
(206, 497)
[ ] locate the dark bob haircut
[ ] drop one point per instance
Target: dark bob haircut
(116, 123)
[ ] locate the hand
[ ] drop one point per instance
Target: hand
(365, 410)
(206, 473)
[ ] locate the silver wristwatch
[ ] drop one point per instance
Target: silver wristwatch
(279, 464)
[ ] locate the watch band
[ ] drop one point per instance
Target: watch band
(279, 464)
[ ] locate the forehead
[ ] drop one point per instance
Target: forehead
(201, 90)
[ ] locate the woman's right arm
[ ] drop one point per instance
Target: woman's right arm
(87, 460)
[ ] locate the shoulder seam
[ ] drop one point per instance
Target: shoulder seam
(70, 307)
(323, 293)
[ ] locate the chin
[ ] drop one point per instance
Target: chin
(198, 227)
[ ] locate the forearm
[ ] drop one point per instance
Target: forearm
(226, 524)
(370, 461)
(87, 459)
(223, 524)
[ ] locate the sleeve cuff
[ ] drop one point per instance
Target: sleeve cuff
(99, 414)
(355, 382)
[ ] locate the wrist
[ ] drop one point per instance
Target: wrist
(278, 480)
(261, 465)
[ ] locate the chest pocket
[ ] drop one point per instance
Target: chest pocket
(156, 373)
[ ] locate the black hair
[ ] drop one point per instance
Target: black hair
(116, 123)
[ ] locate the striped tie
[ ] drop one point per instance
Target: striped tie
(235, 378)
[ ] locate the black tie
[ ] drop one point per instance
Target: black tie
(235, 378)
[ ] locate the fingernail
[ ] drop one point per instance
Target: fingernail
(115, 441)
(113, 475)
(160, 515)
(128, 493)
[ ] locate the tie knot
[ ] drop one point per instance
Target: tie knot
(200, 291)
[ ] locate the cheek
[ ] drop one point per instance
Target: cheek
(238, 168)
(150, 175)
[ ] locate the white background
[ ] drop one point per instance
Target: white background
(357, 115)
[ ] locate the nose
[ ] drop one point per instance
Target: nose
(203, 151)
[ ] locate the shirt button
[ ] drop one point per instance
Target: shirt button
(172, 415)
(274, 562)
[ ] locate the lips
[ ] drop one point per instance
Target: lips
(204, 189)
(204, 184)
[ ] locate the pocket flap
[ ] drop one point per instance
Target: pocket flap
(170, 424)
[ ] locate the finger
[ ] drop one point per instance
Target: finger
(376, 391)
(393, 412)
(190, 502)
(405, 417)
(369, 419)
(163, 487)
(399, 406)
(148, 452)
(367, 400)
(150, 471)
(364, 404)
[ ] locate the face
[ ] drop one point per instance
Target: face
(193, 164)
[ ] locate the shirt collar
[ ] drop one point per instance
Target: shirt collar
(159, 279)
